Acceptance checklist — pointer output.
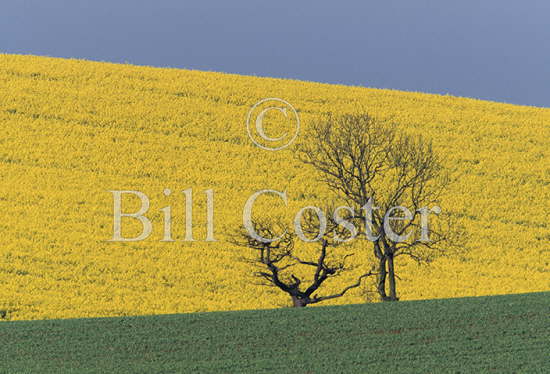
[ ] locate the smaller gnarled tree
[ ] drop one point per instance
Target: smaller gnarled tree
(277, 257)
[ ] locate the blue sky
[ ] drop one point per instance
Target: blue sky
(494, 50)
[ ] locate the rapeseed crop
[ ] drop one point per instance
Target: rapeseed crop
(73, 130)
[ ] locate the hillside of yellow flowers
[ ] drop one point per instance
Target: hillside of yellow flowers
(74, 130)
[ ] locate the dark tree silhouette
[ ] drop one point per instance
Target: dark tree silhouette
(275, 260)
(369, 163)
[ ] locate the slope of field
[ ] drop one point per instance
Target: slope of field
(497, 334)
(73, 130)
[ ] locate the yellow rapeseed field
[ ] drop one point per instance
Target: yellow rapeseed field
(72, 130)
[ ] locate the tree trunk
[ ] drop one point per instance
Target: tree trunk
(391, 276)
(298, 302)
(381, 286)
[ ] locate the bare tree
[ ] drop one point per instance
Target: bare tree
(375, 168)
(277, 257)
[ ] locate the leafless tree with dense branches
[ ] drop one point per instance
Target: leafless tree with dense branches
(276, 257)
(368, 161)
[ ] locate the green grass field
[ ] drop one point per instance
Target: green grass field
(497, 334)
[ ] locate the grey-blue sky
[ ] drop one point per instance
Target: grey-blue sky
(492, 49)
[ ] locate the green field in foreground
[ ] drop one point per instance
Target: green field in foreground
(497, 334)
